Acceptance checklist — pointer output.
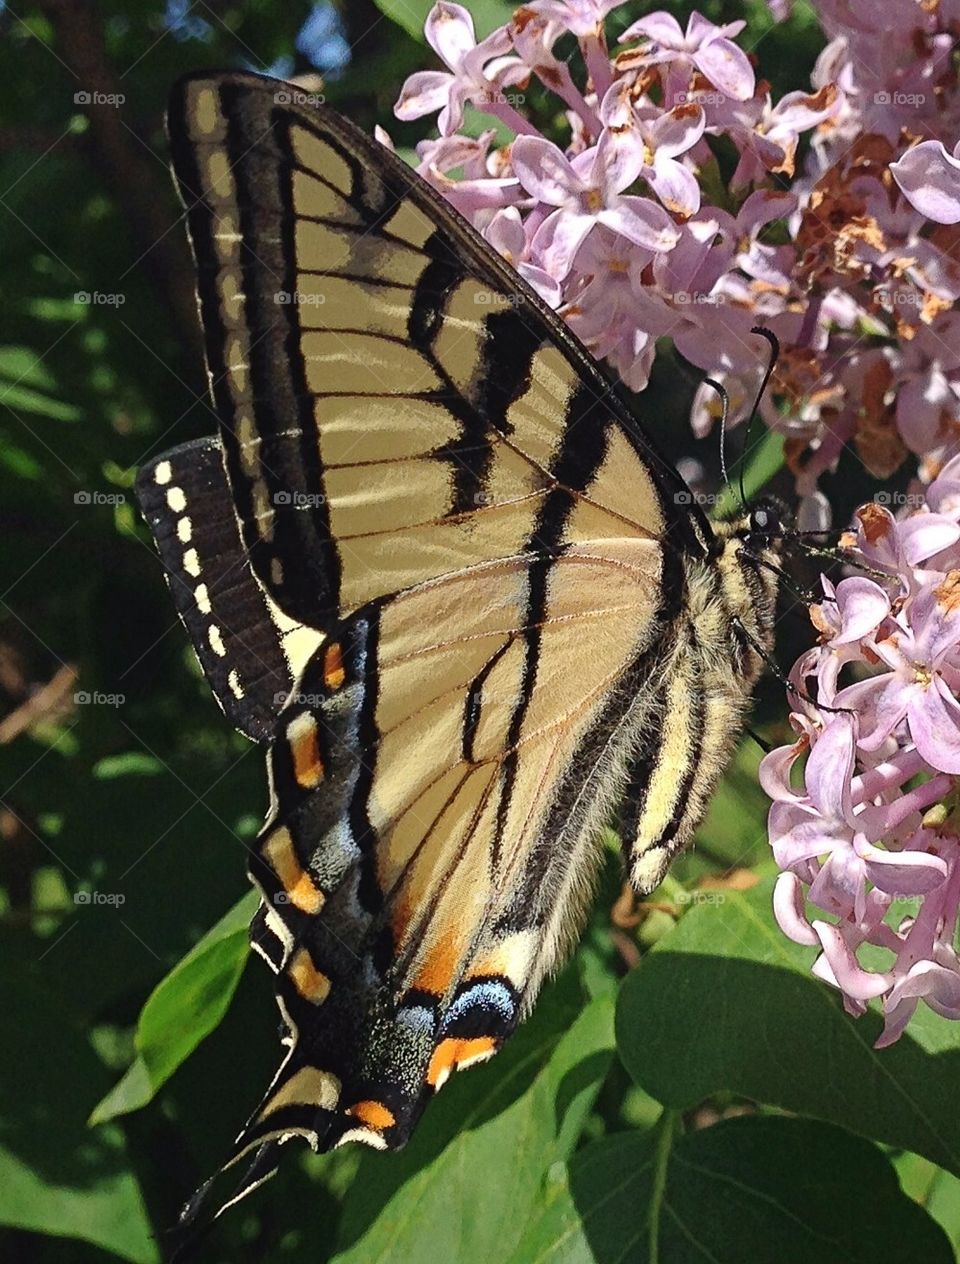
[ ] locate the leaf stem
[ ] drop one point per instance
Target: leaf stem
(667, 1127)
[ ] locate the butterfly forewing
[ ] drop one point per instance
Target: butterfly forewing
(394, 403)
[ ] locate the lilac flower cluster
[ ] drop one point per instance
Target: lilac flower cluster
(628, 231)
(869, 836)
(626, 228)
(614, 229)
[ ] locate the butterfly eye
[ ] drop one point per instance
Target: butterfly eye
(768, 519)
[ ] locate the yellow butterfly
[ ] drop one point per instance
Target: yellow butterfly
(434, 562)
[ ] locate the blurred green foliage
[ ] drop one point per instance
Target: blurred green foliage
(128, 803)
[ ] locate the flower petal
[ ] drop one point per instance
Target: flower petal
(558, 239)
(880, 703)
(774, 770)
(660, 26)
(449, 31)
(422, 93)
(829, 769)
(545, 171)
(929, 178)
(641, 221)
(678, 130)
(862, 606)
(788, 909)
(901, 873)
(727, 67)
(674, 185)
(860, 984)
(934, 719)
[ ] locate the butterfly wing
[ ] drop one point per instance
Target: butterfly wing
(395, 403)
(250, 651)
(427, 467)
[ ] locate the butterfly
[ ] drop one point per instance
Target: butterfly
(435, 564)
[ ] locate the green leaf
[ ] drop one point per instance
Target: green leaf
(933, 1188)
(55, 1177)
(26, 386)
(411, 14)
(725, 1002)
(474, 1171)
(182, 1010)
(749, 1189)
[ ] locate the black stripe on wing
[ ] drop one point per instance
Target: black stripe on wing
(251, 126)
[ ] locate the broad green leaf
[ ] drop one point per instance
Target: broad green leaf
(726, 1002)
(472, 1176)
(933, 1188)
(182, 1010)
(411, 14)
(55, 1177)
(747, 1191)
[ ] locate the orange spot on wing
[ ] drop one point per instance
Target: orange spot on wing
(374, 1114)
(312, 984)
(306, 895)
(333, 673)
(281, 855)
(436, 973)
(307, 764)
(454, 1052)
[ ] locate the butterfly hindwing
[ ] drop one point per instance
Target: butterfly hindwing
(250, 651)
(417, 905)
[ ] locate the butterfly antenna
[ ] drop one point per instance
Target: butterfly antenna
(724, 412)
(774, 343)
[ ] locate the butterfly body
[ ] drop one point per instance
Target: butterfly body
(433, 562)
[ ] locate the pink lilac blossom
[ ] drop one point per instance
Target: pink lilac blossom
(620, 221)
(868, 840)
(858, 281)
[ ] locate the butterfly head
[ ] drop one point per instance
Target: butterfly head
(767, 523)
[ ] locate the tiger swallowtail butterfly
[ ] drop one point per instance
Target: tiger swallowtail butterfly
(437, 567)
